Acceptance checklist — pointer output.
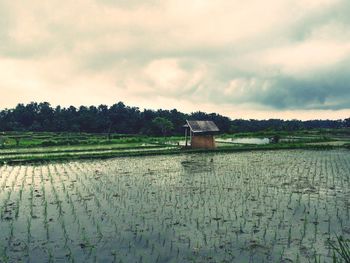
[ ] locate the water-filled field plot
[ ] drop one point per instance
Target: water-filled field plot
(279, 206)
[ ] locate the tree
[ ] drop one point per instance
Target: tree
(17, 139)
(118, 118)
(163, 124)
(123, 119)
(347, 122)
(275, 139)
(2, 141)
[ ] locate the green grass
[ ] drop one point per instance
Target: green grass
(76, 148)
(64, 156)
(324, 134)
(46, 146)
(48, 139)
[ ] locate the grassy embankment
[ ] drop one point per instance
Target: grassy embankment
(45, 146)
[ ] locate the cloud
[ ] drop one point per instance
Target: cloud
(277, 56)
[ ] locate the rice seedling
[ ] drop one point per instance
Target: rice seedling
(3, 255)
(341, 249)
(248, 206)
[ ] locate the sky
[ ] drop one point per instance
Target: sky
(286, 59)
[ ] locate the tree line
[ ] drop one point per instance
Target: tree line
(123, 119)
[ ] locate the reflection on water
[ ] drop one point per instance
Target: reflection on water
(245, 140)
(197, 163)
(229, 140)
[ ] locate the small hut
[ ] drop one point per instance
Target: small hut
(201, 134)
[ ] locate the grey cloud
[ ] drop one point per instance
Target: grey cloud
(292, 93)
(25, 51)
(326, 89)
(144, 53)
(323, 89)
(127, 3)
(5, 22)
(338, 13)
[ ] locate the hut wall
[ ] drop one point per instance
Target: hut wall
(203, 141)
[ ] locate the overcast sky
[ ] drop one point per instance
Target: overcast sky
(250, 59)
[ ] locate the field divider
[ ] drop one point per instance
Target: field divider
(168, 150)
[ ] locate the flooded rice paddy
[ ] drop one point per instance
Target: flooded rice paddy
(257, 141)
(280, 206)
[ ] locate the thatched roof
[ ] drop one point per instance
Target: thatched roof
(207, 127)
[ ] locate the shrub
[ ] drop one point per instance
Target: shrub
(48, 143)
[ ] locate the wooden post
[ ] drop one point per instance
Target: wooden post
(186, 137)
(191, 136)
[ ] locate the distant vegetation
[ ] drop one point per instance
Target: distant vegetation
(123, 119)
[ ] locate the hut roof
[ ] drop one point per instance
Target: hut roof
(207, 127)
